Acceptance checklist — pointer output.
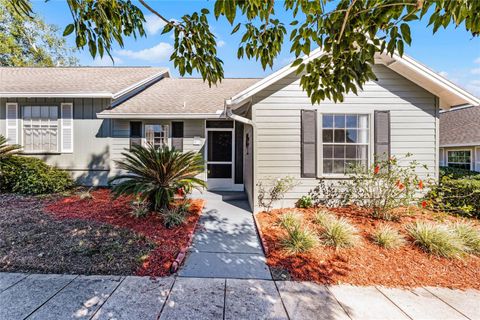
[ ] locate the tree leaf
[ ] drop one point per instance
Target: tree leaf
(68, 29)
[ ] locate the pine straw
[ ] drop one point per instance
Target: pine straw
(369, 264)
(102, 208)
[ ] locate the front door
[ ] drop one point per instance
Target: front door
(220, 155)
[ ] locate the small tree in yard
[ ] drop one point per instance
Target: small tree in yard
(155, 175)
(382, 187)
(268, 193)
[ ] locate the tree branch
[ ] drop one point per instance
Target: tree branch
(155, 12)
(344, 24)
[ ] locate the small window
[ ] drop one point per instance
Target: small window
(40, 128)
(345, 142)
(177, 129)
(135, 133)
(219, 124)
(459, 159)
(156, 135)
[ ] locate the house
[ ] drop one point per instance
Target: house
(460, 138)
(249, 130)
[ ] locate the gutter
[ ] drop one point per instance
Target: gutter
(56, 95)
(102, 115)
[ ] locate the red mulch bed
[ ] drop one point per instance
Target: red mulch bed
(103, 208)
(368, 264)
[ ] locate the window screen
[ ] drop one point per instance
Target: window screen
(156, 135)
(40, 128)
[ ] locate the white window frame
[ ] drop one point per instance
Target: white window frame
(370, 151)
(456, 150)
(21, 130)
(167, 132)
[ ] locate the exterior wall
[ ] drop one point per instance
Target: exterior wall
(90, 161)
(474, 151)
(276, 112)
(121, 137)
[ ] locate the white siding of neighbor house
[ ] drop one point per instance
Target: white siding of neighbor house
(276, 112)
(120, 141)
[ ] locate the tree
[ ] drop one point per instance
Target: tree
(349, 33)
(30, 42)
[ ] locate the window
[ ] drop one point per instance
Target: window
(345, 142)
(156, 135)
(40, 128)
(135, 133)
(459, 159)
(177, 129)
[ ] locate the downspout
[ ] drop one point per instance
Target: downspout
(228, 112)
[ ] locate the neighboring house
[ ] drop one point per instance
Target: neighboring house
(249, 130)
(460, 138)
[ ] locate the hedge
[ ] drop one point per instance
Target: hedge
(27, 175)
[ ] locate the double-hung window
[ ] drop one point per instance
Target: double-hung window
(459, 159)
(345, 142)
(40, 128)
(156, 135)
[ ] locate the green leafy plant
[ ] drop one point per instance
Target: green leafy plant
(7, 150)
(274, 190)
(382, 187)
(172, 217)
(305, 202)
(470, 236)
(328, 195)
(299, 238)
(436, 239)
(139, 209)
(28, 175)
(388, 237)
(459, 173)
(154, 175)
(339, 233)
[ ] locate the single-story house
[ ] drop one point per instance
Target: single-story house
(249, 130)
(460, 138)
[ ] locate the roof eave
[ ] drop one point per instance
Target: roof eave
(56, 95)
(135, 115)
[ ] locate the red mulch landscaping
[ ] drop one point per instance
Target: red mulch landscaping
(103, 208)
(368, 264)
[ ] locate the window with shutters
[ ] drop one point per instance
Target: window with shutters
(345, 142)
(156, 135)
(40, 128)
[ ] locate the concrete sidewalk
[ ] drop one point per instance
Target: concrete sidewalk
(38, 296)
(226, 243)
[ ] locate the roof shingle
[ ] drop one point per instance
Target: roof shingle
(460, 127)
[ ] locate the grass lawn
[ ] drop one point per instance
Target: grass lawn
(93, 235)
(366, 263)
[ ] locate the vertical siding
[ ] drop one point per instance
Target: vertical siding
(89, 162)
(277, 116)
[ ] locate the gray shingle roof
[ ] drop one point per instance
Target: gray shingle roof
(73, 79)
(183, 95)
(460, 127)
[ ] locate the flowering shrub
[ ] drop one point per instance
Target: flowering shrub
(383, 187)
(274, 191)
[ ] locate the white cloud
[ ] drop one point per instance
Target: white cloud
(443, 74)
(474, 87)
(475, 71)
(221, 43)
(159, 52)
(153, 24)
(105, 61)
(477, 60)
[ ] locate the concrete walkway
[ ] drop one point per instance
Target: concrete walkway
(226, 243)
(38, 296)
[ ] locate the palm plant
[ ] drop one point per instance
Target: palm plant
(6, 150)
(154, 175)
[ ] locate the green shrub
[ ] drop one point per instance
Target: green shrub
(322, 217)
(339, 233)
(139, 209)
(172, 217)
(28, 175)
(299, 238)
(388, 237)
(459, 196)
(272, 190)
(469, 235)
(305, 202)
(436, 239)
(458, 173)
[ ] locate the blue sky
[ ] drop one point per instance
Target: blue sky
(452, 52)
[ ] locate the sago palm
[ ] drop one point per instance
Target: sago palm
(6, 150)
(154, 175)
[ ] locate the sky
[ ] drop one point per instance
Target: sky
(454, 53)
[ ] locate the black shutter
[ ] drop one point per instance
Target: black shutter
(309, 144)
(135, 133)
(177, 135)
(382, 135)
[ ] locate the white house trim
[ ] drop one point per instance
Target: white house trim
(56, 95)
(133, 116)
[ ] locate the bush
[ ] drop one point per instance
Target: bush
(458, 173)
(469, 235)
(139, 209)
(439, 240)
(274, 191)
(388, 237)
(322, 217)
(305, 202)
(28, 175)
(458, 196)
(154, 174)
(299, 239)
(339, 233)
(326, 195)
(172, 217)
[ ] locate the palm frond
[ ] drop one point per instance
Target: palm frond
(7, 150)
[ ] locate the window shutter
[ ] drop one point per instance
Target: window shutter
(67, 127)
(309, 143)
(177, 135)
(12, 135)
(382, 135)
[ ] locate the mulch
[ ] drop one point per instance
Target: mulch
(368, 264)
(104, 209)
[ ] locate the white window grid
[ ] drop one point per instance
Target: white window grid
(40, 128)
